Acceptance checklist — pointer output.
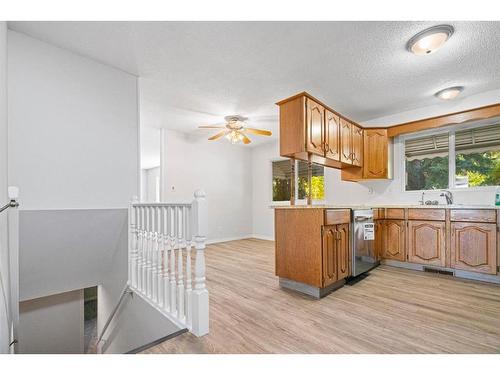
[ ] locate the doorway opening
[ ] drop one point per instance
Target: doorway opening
(90, 319)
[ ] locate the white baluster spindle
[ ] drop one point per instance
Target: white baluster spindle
(189, 287)
(173, 243)
(180, 263)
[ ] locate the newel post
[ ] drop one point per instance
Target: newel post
(200, 292)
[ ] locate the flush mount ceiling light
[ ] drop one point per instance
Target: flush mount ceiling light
(430, 40)
(449, 93)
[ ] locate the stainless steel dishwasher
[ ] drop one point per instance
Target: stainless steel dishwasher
(363, 242)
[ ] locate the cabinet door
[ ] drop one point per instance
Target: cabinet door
(473, 247)
(375, 153)
(329, 255)
(343, 251)
(315, 127)
(394, 240)
(332, 136)
(345, 141)
(379, 238)
(357, 146)
(427, 242)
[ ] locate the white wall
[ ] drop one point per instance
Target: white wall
(74, 153)
(150, 147)
(73, 128)
(52, 325)
(4, 286)
(262, 195)
(223, 170)
(148, 184)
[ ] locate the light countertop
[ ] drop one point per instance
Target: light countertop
(361, 207)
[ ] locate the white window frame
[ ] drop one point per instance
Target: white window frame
(298, 202)
(452, 129)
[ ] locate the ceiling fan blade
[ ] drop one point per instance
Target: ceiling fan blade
(211, 126)
(218, 135)
(259, 131)
(245, 139)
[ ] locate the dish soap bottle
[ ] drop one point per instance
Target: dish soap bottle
(497, 196)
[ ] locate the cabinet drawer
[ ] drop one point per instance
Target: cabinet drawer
(395, 213)
(333, 217)
(426, 214)
(378, 213)
(480, 216)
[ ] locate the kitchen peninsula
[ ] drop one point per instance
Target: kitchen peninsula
(314, 244)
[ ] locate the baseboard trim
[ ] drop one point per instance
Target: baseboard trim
(156, 342)
(260, 237)
(476, 276)
(309, 290)
(246, 237)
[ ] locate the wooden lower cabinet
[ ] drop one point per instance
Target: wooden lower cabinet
(330, 274)
(379, 238)
(336, 254)
(427, 242)
(394, 242)
(473, 247)
(343, 251)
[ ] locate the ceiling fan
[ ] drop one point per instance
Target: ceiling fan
(235, 130)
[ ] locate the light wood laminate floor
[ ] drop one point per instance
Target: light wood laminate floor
(391, 311)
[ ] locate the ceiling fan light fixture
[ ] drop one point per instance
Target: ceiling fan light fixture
(429, 40)
(234, 137)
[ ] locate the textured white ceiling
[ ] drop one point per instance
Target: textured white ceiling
(195, 73)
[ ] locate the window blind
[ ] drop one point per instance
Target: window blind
(433, 145)
(282, 169)
(485, 137)
(317, 170)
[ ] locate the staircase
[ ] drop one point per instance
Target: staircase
(165, 241)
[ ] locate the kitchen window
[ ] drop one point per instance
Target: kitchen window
(282, 178)
(462, 157)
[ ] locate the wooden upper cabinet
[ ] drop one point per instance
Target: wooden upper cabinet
(394, 242)
(427, 242)
(357, 146)
(345, 141)
(315, 127)
(311, 131)
(374, 157)
(343, 253)
(332, 136)
(330, 256)
(375, 154)
(473, 247)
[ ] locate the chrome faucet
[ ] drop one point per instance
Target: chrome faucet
(448, 195)
(422, 201)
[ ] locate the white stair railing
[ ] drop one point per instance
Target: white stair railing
(160, 241)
